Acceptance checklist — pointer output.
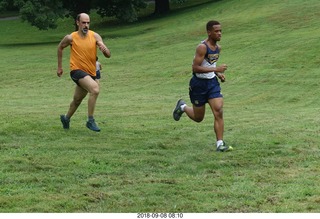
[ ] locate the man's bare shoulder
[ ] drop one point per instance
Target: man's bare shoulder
(201, 45)
(96, 35)
(66, 41)
(201, 48)
(68, 37)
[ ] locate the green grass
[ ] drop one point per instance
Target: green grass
(144, 161)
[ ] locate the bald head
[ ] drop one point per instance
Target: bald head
(79, 16)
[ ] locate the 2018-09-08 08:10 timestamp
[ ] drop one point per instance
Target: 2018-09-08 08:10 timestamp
(160, 215)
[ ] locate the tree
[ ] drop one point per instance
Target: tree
(44, 14)
(9, 4)
(161, 6)
(40, 13)
(78, 6)
(124, 10)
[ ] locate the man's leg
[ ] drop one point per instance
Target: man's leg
(78, 96)
(196, 113)
(92, 87)
(216, 105)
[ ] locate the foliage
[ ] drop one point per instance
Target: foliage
(75, 7)
(7, 4)
(41, 13)
(44, 14)
(124, 10)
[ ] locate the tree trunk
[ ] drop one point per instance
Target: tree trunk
(161, 6)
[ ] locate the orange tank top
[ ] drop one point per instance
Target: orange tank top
(83, 53)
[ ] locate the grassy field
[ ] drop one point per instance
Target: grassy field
(144, 161)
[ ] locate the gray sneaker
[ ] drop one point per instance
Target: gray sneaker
(93, 126)
(65, 122)
(177, 112)
(224, 148)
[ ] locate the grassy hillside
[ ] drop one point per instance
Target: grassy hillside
(144, 161)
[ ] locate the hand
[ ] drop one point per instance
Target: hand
(222, 68)
(59, 72)
(221, 77)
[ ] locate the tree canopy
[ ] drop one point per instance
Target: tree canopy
(44, 14)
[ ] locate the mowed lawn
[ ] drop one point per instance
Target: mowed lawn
(143, 160)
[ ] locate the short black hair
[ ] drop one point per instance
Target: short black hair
(211, 23)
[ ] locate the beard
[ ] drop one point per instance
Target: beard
(85, 30)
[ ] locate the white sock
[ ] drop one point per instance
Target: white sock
(219, 142)
(183, 106)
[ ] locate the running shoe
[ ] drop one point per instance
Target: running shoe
(93, 126)
(224, 148)
(65, 122)
(177, 112)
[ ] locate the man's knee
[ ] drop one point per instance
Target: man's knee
(95, 91)
(218, 113)
(198, 113)
(198, 118)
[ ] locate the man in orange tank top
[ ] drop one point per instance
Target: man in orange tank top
(83, 44)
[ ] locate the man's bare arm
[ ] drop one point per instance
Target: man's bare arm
(103, 48)
(198, 59)
(66, 41)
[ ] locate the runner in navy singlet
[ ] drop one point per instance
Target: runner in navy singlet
(204, 86)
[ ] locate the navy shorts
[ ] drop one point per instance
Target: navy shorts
(201, 90)
(76, 75)
(98, 74)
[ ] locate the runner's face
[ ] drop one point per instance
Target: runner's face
(215, 33)
(84, 24)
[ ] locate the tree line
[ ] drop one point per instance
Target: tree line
(44, 14)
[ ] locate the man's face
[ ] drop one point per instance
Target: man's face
(84, 24)
(215, 33)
